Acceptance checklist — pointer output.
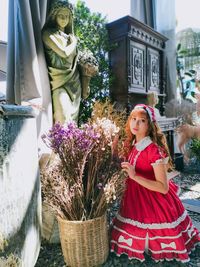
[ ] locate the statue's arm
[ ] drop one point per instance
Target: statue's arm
(51, 42)
(72, 46)
(60, 49)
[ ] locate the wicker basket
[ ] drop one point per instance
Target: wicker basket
(84, 243)
(88, 70)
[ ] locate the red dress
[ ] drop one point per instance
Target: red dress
(151, 221)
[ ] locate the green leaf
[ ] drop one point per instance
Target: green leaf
(183, 52)
(178, 47)
(90, 28)
(192, 71)
(188, 74)
(195, 148)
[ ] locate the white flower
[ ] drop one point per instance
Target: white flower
(110, 193)
(87, 57)
(109, 128)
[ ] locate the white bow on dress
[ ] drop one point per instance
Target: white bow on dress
(170, 245)
(128, 241)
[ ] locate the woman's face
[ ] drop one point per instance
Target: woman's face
(139, 125)
(62, 18)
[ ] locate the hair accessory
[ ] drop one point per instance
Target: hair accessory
(56, 4)
(148, 109)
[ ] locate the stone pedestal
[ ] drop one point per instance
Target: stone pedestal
(50, 230)
(20, 192)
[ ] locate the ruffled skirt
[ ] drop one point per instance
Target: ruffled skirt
(160, 226)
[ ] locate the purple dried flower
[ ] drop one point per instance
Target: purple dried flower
(99, 186)
(85, 165)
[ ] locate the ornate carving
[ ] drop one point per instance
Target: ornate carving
(147, 37)
(138, 64)
(137, 57)
(154, 71)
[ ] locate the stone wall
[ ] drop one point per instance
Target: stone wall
(20, 193)
(3, 56)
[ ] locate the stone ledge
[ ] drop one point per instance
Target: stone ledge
(15, 110)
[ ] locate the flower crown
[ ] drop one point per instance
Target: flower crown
(148, 109)
(57, 4)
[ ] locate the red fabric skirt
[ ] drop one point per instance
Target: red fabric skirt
(155, 223)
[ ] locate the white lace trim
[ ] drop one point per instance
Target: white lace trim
(160, 161)
(123, 246)
(152, 256)
(130, 258)
(124, 232)
(155, 237)
(153, 251)
(135, 159)
(188, 241)
(171, 259)
(142, 144)
(172, 237)
(153, 225)
(160, 260)
(168, 251)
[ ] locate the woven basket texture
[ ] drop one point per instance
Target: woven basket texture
(84, 243)
(88, 70)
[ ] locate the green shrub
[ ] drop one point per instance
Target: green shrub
(195, 148)
(90, 28)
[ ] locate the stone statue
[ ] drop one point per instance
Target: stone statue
(152, 100)
(61, 53)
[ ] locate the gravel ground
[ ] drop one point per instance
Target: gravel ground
(51, 254)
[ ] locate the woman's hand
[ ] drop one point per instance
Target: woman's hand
(159, 185)
(128, 168)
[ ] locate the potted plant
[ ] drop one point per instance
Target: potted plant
(82, 183)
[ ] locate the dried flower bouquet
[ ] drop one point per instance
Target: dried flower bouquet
(87, 63)
(83, 180)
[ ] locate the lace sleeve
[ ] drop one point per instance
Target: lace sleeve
(157, 156)
(160, 161)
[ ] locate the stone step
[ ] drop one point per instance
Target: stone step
(197, 225)
(192, 205)
(195, 187)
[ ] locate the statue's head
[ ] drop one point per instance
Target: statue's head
(152, 99)
(61, 9)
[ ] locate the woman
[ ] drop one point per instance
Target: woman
(61, 55)
(151, 217)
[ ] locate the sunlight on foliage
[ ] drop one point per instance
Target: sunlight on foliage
(90, 28)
